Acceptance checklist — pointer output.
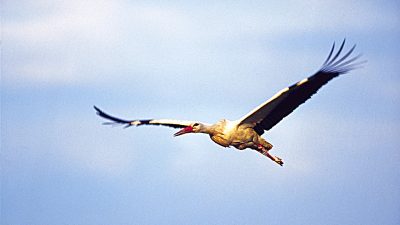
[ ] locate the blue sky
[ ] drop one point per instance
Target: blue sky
(195, 60)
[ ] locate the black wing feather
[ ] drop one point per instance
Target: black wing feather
(295, 96)
(300, 92)
(118, 121)
(128, 123)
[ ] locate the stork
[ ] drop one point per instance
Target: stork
(246, 132)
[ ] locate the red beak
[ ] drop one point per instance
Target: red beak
(185, 130)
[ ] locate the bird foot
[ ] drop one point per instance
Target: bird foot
(278, 160)
(265, 152)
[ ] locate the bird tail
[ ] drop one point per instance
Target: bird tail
(268, 146)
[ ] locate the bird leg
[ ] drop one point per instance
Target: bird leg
(261, 149)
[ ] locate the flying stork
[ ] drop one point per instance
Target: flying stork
(246, 132)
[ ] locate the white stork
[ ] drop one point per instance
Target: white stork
(246, 132)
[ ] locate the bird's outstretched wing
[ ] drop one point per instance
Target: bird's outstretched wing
(164, 122)
(271, 112)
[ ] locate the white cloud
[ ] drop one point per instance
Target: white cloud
(95, 37)
(71, 19)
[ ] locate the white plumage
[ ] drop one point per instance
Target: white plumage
(246, 132)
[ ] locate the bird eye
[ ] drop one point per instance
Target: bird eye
(196, 124)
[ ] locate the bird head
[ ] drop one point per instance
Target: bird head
(193, 128)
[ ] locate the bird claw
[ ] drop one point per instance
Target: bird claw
(278, 160)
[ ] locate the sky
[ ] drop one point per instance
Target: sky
(196, 60)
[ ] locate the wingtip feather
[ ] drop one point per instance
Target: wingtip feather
(343, 64)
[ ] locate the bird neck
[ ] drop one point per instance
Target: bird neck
(207, 129)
